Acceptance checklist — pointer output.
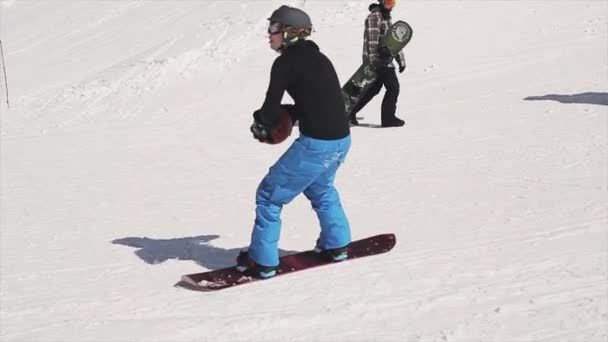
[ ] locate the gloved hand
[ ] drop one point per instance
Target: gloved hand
(260, 132)
(384, 52)
(401, 68)
(277, 133)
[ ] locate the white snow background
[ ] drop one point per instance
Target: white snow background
(126, 161)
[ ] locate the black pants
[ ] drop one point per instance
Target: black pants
(386, 77)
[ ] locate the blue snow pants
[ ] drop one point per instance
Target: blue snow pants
(308, 166)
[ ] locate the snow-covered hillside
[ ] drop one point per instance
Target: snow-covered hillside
(126, 161)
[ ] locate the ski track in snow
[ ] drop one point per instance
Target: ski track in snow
(127, 162)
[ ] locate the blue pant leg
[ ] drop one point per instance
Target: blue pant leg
(267, 227)
(286, 179)
(323, 195)
(325, 200)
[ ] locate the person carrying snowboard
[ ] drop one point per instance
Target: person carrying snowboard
(309, 165)
(376, 26)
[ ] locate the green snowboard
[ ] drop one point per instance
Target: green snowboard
(397, 37)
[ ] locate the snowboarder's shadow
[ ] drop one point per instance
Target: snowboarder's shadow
(586, 98)
(196, 248)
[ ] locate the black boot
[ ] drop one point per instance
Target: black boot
(249, 267)
(333, 254)
(393, 122)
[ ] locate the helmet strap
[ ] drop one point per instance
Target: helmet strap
(289, 38)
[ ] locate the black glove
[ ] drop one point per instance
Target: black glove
(401, 68)
(260, 132)
(384, 52)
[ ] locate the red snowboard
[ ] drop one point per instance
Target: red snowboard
(228, 277)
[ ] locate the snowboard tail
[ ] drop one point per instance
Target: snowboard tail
(397, 37)
(230, 276)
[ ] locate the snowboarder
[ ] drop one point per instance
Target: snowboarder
(309, 165)
(376, 26)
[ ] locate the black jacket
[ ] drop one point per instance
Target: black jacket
(311, 80)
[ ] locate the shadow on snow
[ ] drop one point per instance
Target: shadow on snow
(586, 98)
(196, 248)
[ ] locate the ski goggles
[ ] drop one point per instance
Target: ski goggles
(274, 27)
(389, 4)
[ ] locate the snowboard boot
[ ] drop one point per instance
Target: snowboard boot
(249, 267)
(332, 254)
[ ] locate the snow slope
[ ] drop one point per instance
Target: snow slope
(126, 161)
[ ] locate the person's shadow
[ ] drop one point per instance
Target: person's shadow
(196, 248)
(587, 98)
